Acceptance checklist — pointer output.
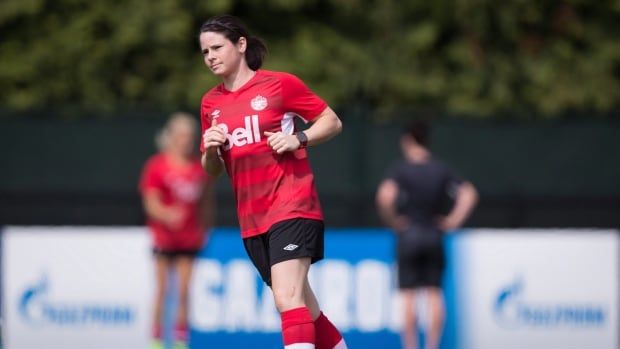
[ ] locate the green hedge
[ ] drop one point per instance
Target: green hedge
(470, 58)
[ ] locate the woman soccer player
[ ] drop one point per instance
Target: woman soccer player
(178, 205)
(248, 128)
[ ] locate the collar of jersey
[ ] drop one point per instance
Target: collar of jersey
(245, 86)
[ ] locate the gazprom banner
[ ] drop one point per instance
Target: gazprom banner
(538, 289)
(76, 288)
(88, 287)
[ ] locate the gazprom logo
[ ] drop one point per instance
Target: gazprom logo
(37, 309)
(512, 310)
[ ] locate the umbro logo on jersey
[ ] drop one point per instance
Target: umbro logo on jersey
(258, 103)
(241, 136)
(290, 247)
(215, 114)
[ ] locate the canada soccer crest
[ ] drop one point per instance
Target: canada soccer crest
(259, 103)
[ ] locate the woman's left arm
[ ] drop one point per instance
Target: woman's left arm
(324, 127)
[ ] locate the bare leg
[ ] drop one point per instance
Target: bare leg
(436, 317)
(161, 280)
(288, 281)
(184, 267)
(311, 302)
(409, 336)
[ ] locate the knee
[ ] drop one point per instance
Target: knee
(286, 298)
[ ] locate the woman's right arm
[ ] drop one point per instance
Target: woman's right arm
(211, 162)
(212, 139)
(206, 204)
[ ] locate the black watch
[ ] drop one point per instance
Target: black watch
(302, 138)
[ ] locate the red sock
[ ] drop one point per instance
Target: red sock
(181, 332)
(327, 335)
(297, 328)
(156, 332)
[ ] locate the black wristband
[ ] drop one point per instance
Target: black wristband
(302, 138)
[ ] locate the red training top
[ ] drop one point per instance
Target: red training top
(180, 186)
(268, 187)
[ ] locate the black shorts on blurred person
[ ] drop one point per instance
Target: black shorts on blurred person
(420, 257)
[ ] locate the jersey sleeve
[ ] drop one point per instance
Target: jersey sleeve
(299, 99)
(151, 177)
(205, 121)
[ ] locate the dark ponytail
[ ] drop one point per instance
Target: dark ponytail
(233, 29)
(255, 52)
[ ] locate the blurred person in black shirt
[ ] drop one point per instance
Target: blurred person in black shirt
(420, 199)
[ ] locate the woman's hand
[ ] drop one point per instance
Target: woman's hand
(213, 137)
(280, 142)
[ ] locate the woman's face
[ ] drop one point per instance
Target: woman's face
(221, 55)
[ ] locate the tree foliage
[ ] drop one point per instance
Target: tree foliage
(470, 57)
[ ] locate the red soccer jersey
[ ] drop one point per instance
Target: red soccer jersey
(179, 186)
(268, 187)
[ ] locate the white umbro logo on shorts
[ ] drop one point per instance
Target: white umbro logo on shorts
(290, 247)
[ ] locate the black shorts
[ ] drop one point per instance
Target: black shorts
(421, 259)
(285, 240)
(175, 253)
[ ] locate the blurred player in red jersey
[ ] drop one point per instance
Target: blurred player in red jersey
(177, 200)
(248, 129)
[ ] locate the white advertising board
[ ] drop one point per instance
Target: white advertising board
(539, 289)
(76, 288)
